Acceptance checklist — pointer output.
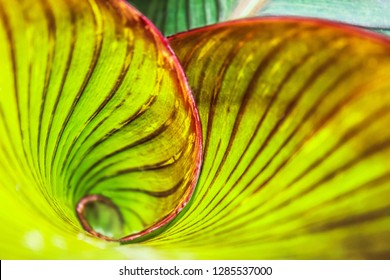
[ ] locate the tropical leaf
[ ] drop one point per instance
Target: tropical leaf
(373, 15)
(296, 145)
(173, 16)
(95, 114)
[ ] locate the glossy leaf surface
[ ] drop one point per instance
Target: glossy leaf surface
(173, 16)
(373, 15)
(95, 114)
(295, 118)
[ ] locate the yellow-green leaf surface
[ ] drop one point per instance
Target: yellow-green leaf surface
(295, 117)
(98, 129)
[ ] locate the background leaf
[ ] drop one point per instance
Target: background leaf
(373, 14)
(173, 16)
(95, 113)
(296, 145)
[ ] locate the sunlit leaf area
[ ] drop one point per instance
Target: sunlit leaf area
(186, 129)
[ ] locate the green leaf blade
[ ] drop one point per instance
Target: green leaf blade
(294, 117)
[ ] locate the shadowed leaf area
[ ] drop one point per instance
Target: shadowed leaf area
(173, 16)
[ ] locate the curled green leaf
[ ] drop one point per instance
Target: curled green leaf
(95, 116)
